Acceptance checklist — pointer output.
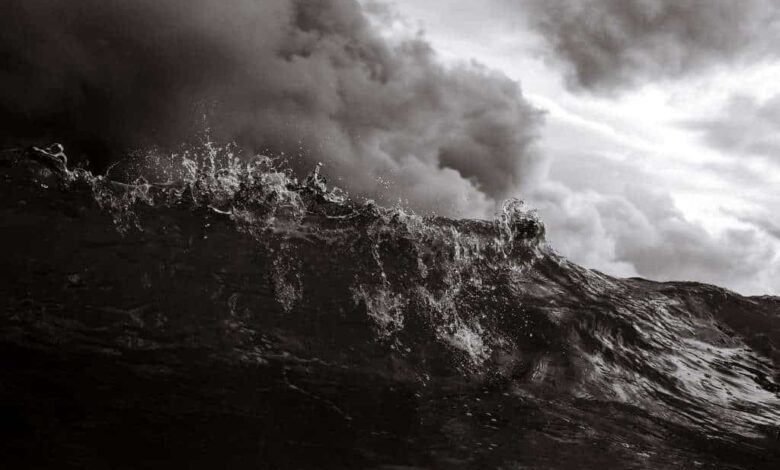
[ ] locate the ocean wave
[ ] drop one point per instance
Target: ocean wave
(238, 257)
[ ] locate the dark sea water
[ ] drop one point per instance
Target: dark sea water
(237, 318)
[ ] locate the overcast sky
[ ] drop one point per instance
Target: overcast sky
(644, 131)
(660, 141)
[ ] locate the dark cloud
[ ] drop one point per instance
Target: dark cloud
(746, 126)
(308, 77)
(609, 44)
(641, 232)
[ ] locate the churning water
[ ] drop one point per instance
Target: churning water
(236, 317)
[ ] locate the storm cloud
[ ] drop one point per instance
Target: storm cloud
(614, 44)
(311, 79)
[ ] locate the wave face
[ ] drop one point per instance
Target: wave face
(235, 316)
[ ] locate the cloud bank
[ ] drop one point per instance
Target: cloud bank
(310, 78)
(614, 44)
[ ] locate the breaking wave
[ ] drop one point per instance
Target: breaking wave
(471, 318)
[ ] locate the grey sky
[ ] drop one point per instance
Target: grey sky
(745, 126)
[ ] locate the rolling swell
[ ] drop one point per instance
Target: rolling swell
(220, 311)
